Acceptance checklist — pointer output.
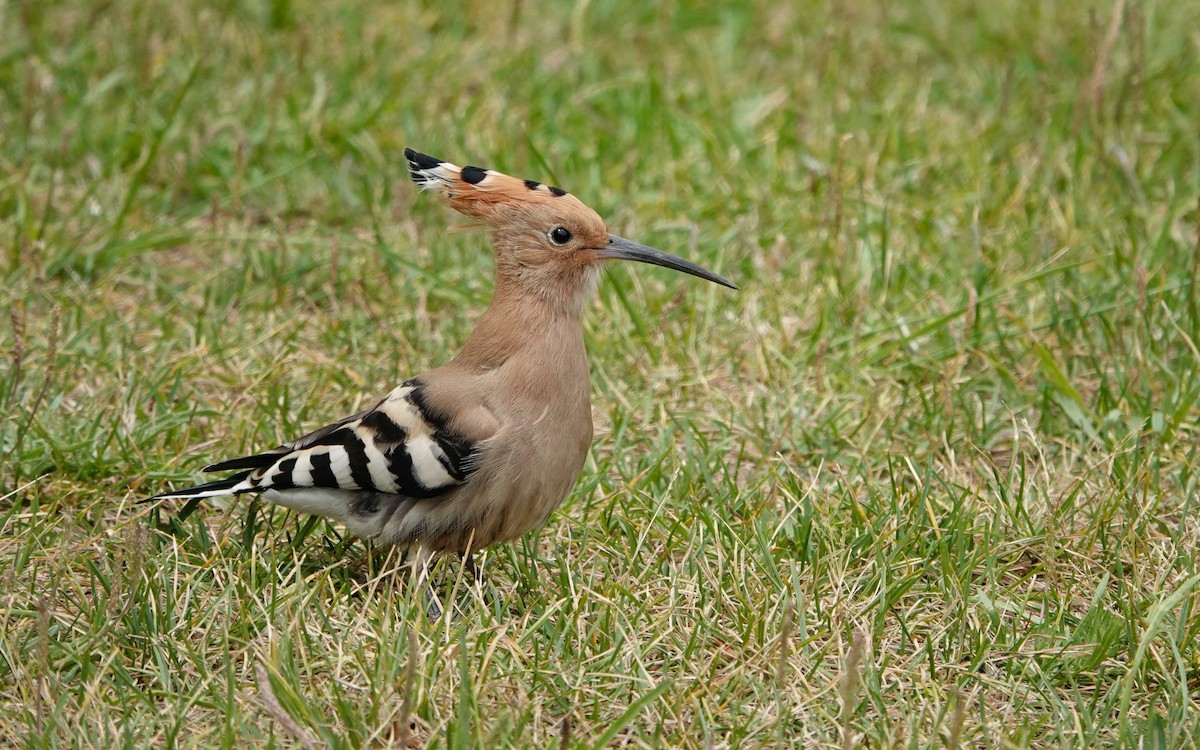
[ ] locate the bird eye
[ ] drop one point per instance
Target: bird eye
(560, 235)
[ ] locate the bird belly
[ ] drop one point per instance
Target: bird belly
(320, 501)
(513, 492)
(363, 511)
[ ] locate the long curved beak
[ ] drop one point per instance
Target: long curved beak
(620, 248)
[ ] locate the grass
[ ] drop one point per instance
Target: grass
(929, 480)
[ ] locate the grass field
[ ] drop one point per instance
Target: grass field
(930, 479)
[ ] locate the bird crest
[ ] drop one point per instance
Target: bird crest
(484, 193)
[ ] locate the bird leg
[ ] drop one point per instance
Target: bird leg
(475, 571)
(421, 564)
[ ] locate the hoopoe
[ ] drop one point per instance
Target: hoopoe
(482, 449)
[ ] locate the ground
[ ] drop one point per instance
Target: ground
(930, 479)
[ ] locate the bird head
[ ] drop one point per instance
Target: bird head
(544, 237)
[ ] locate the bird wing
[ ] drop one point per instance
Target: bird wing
(400, 446)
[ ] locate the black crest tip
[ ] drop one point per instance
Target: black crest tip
(419, 161)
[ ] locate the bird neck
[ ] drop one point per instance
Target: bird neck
(518, 320)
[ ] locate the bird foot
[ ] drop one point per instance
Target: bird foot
(433, 605)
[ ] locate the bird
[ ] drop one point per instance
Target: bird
(482, 449)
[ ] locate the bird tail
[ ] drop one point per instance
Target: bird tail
(234, 485)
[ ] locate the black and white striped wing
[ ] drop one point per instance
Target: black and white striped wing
(398, 447)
